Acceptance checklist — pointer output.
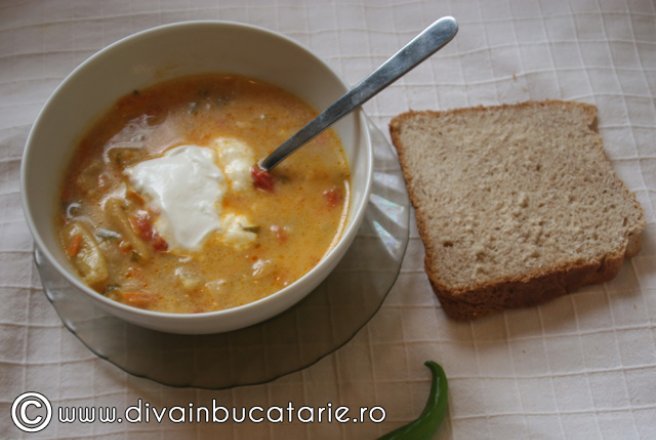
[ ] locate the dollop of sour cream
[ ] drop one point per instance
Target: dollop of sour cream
(236, 158)
(186, 185)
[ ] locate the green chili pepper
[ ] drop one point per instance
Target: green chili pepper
(432, 415)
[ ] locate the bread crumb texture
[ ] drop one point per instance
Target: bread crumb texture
(514, 193)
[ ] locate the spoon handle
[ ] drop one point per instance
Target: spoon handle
(433, 38)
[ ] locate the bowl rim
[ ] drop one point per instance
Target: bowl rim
(348, 234)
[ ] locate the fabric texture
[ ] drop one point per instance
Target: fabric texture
(580, 367)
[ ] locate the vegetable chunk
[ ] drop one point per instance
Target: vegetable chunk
(118, 218)
(85, 254)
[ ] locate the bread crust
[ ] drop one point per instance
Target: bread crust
(534, 286)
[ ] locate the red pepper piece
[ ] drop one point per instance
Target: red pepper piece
(159, 244)
(262, 179)
(333, 196)
(144, 228)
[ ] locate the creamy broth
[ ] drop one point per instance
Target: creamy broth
(159, 209)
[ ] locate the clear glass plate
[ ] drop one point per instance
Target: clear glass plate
(321, 323)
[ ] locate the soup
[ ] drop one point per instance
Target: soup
(163, 210)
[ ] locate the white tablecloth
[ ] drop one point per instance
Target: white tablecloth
(580, 367)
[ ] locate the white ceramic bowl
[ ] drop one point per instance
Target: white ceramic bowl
(159, 54)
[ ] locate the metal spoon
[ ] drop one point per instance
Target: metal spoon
(433, 38)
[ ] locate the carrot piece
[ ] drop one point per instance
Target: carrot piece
(74, 245)
(138, 298)
(135, 197)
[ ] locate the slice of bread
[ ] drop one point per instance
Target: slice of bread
(515, 204)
